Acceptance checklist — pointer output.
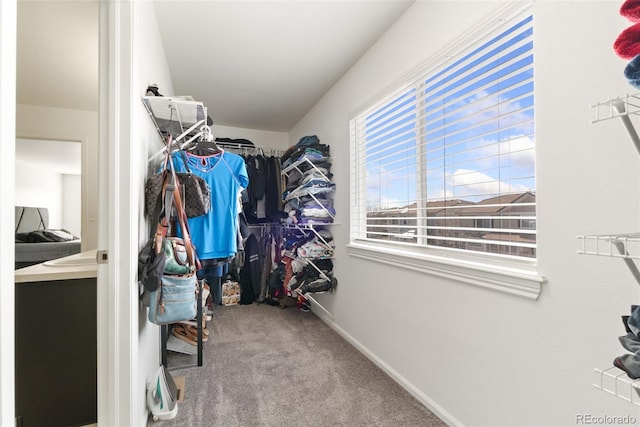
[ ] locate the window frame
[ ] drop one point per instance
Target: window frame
(491, 271)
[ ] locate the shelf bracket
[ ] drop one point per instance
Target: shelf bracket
(620, 107)
(628, 261)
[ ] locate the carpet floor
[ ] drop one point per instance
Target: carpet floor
(266, 366)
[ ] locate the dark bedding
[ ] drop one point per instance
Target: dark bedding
(35, 243)
(45, 251)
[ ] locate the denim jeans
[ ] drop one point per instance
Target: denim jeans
(213, 276)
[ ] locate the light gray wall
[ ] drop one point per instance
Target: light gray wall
(71, 203)
(476, 356)
(149, 66)
(261, 138)
(48, 175)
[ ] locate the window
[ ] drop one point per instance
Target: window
(447, 162)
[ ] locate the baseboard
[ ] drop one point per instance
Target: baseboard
(328, 318)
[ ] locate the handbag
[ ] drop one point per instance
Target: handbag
(151, 265)
(152, 257)
(196, 193)
(177, 261)
(175, 298)
(174, 301)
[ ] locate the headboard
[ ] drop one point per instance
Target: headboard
(29, 219)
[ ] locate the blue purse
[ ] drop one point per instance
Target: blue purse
(174, 300)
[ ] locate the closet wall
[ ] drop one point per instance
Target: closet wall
(150, 66)
(475, 356)
(261, 138)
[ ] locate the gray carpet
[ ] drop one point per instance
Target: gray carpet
(266, 366)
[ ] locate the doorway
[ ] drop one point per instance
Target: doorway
(48, 175)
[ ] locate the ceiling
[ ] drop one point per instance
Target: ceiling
(254, 64)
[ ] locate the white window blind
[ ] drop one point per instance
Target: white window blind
(448, 160)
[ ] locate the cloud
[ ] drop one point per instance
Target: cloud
(469, 183)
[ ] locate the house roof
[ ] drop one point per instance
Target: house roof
(490, 206)
(498, 204)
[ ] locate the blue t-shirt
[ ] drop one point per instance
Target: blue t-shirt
(214, 234)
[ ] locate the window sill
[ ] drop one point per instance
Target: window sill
(522, 282)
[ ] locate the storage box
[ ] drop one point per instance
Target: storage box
(230, 293)
(180, 384)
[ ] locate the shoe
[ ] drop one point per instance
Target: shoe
(319, 285)
(193, 331)
(152, 90)
(303, 304)
(179, 331)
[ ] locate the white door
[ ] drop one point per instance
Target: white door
(8, 27)
(117, 339)
(117, 298)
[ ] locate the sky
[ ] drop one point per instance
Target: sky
(475, 134)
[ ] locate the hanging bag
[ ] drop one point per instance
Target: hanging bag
(175, 299)
(196, 193)
(152, 256)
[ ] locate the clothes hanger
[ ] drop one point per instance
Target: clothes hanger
(204, 144)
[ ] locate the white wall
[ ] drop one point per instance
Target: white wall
(8, 20)
(476, 356)
(48, 175)
(149, 66)
(42, 190)
(48, 123)
(261, 138)
(71, 203)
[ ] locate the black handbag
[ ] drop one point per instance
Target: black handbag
(151, 265)
(196, 194)
(152, 257)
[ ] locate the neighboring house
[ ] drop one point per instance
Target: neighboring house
(462, 224)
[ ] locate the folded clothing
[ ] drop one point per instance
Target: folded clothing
(630, 363)
(319, 285)
(627, 45)
(327, 189)
(314, 249)
(634, 320)
(630, 9)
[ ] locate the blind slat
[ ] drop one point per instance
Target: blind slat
(449, 160)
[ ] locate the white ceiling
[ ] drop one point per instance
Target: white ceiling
(254, 64)
(57, 64)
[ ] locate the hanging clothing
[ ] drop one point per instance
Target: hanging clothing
(214, 235)
(273, 195)
(250, 271)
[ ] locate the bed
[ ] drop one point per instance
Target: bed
(35, 242)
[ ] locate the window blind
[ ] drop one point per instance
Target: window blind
(448, 160)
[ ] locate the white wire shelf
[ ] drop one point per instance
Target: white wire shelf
(296, 166)
(625, 245)
(616, 107)
(617, 383)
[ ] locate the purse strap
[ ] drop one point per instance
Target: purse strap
(182, 218)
